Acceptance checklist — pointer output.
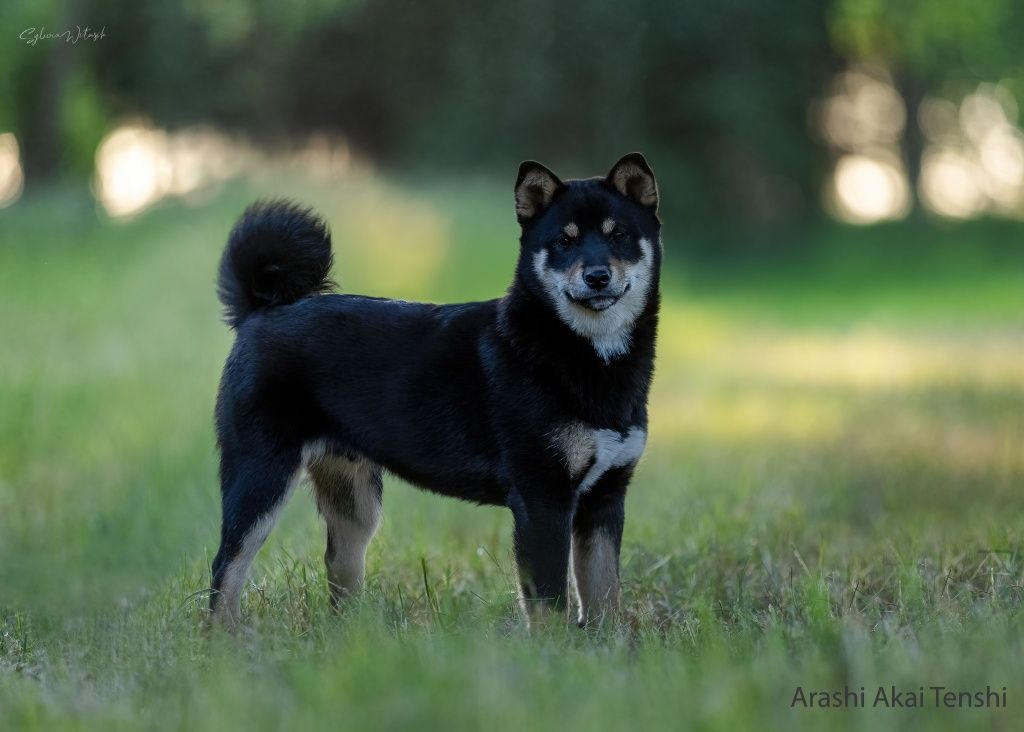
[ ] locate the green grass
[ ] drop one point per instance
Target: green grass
(832, 492)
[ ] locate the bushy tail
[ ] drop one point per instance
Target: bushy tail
(277, 253)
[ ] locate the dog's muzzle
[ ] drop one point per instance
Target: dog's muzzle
(596, 301)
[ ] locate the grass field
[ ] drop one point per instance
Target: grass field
(833, 491)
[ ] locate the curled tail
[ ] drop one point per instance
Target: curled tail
(277, 253)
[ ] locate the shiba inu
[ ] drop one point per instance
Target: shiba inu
(536, 401)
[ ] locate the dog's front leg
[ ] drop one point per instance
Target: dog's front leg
(543, 525)
(596, 542)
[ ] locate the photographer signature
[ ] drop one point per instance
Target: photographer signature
(32, 36)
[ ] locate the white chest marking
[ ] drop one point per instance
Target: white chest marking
(602, 449)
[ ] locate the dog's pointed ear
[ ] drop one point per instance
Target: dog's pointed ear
(536, 186)
(633, 178)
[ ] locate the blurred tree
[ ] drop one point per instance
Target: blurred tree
(716, 91)
(48, 96)
(930, 44)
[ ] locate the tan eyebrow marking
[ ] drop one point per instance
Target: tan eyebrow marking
(607, 226)
(571, 230)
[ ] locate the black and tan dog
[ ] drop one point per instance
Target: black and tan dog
(536, 401)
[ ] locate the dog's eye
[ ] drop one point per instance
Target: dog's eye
(563, 241)
(618, 235)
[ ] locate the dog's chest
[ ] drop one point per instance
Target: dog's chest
(590, 452)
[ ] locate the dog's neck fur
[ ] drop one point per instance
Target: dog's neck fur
(606, 390)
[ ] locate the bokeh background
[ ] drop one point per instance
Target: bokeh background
(759, 119)
(832, 492)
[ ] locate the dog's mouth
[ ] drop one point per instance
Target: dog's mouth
(598, 301)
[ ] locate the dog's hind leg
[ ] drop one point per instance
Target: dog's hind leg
(254, 489)
(348, 493)
(596, 541)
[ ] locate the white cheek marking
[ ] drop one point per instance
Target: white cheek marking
(609, 331)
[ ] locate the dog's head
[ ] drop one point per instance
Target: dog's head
(591, 248)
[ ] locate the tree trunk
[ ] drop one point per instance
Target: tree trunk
(42, 144)
(912, 91)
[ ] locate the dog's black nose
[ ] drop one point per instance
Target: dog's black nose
(597, 278)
